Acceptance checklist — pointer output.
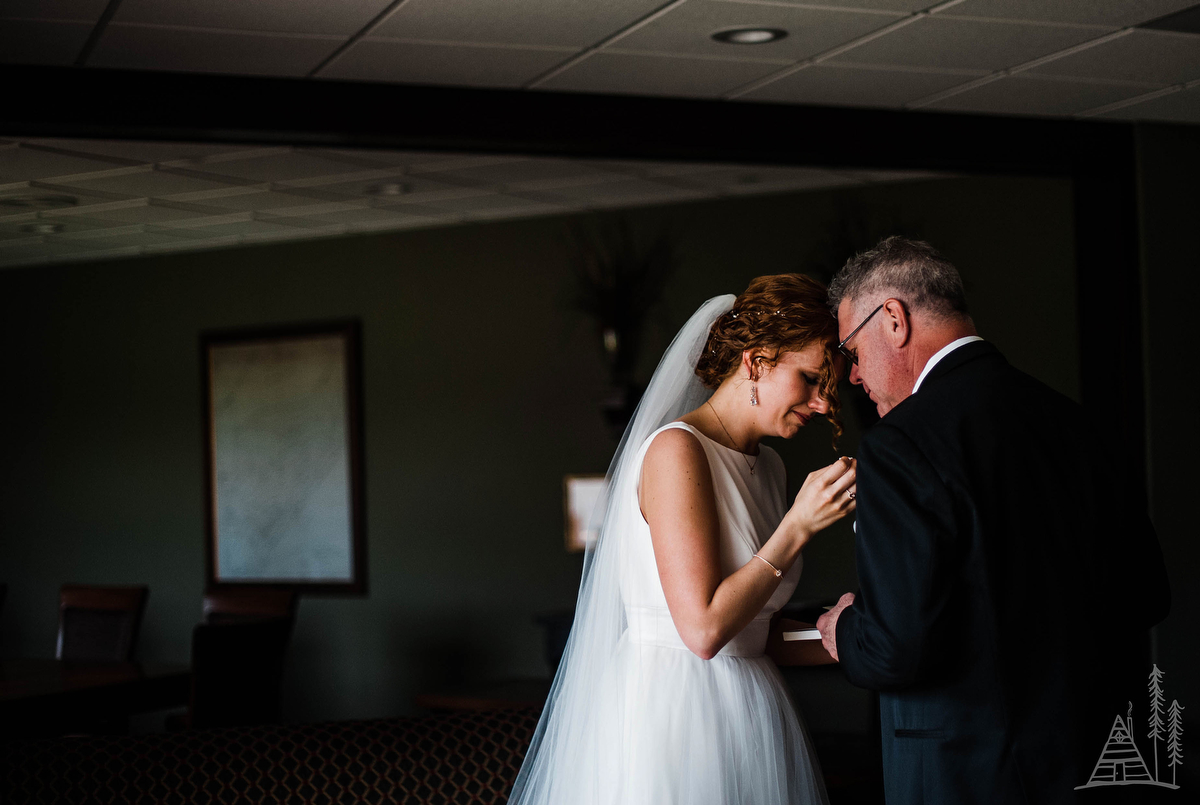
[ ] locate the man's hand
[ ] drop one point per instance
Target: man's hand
(827, 624)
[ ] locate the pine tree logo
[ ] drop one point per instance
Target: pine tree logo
(1121, 761)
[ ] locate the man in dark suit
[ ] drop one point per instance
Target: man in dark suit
(1008, 573)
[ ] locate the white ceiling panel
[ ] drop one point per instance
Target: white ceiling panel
(279, 203)
(147, 182)
(1177, 107)
(135, 211)
(402, 189)
(689, 28)
(906, 6)
(1025, 94)
(111, 202)
(844, 84)
(567, 23)
(123, 238)
(652, 74)
(497, 205)
(381, 217)
(137, 151)
(626, 191)
(281, 166)
(239, 225)
(1151, 57)
(21, 164)
(1113, 13)
(953, 43)
(140, 47)
(41, 42)
(532, 174)
(344, 17)
(443, 63)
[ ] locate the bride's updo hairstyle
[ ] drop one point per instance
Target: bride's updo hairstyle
(777, 313)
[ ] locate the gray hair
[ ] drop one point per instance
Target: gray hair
(911, 270)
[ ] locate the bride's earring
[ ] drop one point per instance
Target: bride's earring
(753, 394)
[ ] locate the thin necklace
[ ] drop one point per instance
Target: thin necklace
(731, 441)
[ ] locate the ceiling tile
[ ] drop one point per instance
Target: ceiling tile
(34, 164)
(343, 18)
(615, 194)
(568, 23)
(497, 205)
(1025, 94)
(1114, 13)
(42, 42)
(134, 150)
(530, 174)
(79, 10)
(953, 43)
(269, 200)
(137, 47)
(147, 183)
(459, 65)
(119, 239)
(1152, 57)
(1177, 107)
(838, 84)
(399, 188)
(280, 166)
(689, 28)
(642, 74)
(906, 6)
(372, 217)
(13, 227)
(240, 225)
(137, 211)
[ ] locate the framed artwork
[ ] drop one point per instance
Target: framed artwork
(583, 505)
(283, 455)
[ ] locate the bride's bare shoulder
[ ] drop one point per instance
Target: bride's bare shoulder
(674, 449)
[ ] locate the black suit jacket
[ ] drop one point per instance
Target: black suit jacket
(1008, 578)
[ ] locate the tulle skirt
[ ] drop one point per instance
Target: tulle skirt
(668, 728)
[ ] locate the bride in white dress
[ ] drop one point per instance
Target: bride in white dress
(664, 695)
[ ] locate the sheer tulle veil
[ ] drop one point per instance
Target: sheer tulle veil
(567, 742)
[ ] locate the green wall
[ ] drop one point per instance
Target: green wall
(481, 389)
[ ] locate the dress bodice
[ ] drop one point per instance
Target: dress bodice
(750, 506)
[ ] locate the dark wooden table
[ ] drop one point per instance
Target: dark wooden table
(46, 697)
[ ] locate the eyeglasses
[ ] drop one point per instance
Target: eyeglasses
(852, 354)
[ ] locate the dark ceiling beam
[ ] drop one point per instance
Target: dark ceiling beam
(68, 102)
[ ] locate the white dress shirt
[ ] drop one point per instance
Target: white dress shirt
(941, 353)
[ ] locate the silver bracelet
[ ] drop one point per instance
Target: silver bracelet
(778, 572)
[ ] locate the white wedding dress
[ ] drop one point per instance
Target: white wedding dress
(635, 718)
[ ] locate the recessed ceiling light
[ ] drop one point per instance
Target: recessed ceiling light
(389, 189)
(749, 36)
(42, 228)
(47, 202)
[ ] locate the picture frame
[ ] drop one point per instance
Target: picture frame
(583, 498)
(283, 452)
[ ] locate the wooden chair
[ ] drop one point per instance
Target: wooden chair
(237, 672)
(99, 623)
(249, 604)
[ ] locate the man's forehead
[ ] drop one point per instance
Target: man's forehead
(845, 316)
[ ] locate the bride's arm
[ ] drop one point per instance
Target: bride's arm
(676, 496)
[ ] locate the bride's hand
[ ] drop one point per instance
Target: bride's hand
(826, 497)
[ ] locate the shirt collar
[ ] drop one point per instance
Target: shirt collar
(941, 353)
